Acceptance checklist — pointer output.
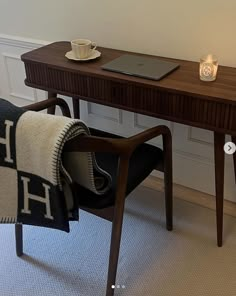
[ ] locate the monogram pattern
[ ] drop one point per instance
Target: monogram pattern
(34, 183)
(30, 199)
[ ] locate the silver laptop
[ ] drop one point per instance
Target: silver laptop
(140, 66)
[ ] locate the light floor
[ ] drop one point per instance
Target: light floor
(153, 261)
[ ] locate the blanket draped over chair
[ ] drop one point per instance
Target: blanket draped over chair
(36, 175)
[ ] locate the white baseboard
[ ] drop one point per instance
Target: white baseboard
(191, 195)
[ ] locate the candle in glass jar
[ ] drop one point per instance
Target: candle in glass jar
(208, 68)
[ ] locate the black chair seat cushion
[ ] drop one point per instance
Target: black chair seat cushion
(142, 162)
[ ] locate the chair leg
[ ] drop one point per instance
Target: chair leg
(76, 107)
(19, 239)
(168, 180)
(52, 109)
(117, 225)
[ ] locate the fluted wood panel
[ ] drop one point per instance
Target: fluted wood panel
(181, 97)
(108, 91)
(62, 82)
(168, 105)
(44, 76)
(36, 72)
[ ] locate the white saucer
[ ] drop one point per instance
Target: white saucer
(94, 55)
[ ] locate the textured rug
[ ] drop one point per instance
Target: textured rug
(153, 261)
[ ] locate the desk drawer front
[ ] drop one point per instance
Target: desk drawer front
(232, 118)
(155, 102)
(35, 73)
(57, 80)
(72, 83)
(184, 109)
(166, 105)
(109, 92)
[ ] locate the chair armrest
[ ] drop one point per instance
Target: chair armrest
(50, 103)
(84, 143)
(121, 146)
(149, 134)
(167, 143)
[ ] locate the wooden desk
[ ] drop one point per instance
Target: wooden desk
(180, 97)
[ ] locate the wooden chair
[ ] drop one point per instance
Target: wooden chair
(129, 161)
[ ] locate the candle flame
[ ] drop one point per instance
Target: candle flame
(209, 58)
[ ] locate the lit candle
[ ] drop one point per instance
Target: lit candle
(208, 68)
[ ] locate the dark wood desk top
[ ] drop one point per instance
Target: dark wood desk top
(184, 80)
(180, 97)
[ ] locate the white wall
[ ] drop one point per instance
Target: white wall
(180, 29)
(183, 29)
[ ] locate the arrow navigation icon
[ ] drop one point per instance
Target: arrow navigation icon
(229, 148)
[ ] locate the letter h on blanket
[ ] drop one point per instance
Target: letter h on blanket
(6, 141)
(28, 196)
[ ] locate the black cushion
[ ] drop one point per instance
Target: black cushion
(144, 159)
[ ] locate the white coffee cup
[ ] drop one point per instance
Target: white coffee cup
(82, 48)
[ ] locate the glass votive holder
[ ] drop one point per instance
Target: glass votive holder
(208, 67)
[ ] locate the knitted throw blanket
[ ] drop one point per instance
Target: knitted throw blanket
(34, 180)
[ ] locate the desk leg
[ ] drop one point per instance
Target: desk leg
(76, 107)
(233, 138)
(219, 141)
(51, 110)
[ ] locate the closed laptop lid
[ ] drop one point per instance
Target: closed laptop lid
(141, 66)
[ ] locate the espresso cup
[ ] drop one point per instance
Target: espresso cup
(82, 48)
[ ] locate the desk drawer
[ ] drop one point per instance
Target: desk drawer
(186, 109)
(35, 73)
(56, 80)
(109, 92)
(67, 82)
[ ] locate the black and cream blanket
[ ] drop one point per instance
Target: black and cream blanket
(34, 181)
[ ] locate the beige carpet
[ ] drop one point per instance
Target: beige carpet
(153, 261)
